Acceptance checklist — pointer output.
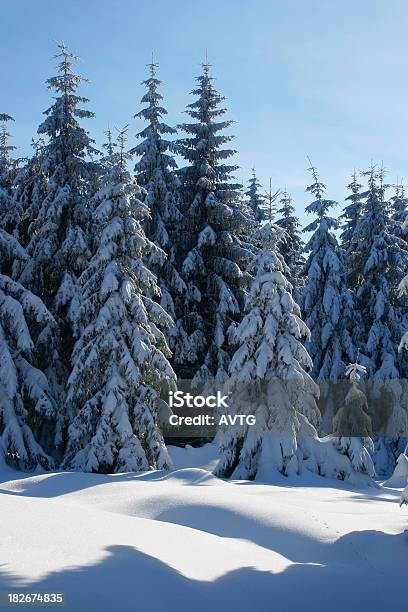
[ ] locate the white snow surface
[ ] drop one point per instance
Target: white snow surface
(399, 479)
(173, 540)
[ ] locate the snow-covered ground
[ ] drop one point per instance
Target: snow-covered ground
(187, 540)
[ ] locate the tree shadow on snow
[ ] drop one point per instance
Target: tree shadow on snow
(295, 546)
(129, 580)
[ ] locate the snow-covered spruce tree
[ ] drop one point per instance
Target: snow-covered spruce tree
(267, 377)
(9, 213)
(399, 203)
(27, 410)
(120, 360)
(352, 433)
(349, 219)
(403, 347)
(107, 158)
(403, 290)
(381, 259)
(255, 200)
(291, 245)
(399, 207)
(59, 248)
(30, 187)
(155, 173)
(211, 250)
(327, 302)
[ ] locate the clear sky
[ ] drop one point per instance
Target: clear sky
(321, 78)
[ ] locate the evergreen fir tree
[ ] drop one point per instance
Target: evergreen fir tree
(58, 249)
(380, 260)
(348, 239)
(291, 245)
(403, 291)
(155, 173)
(9, 214)
(349, 219)
(269, 203)
(399, 208)
(30, 187)
(352, 428)
(255, 200)
(120, 359)
(268, 378)
(27, 408)
(327, 303)
(211, 249)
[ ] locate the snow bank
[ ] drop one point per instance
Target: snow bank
(205, 457)
(162, 540)
(399, 479)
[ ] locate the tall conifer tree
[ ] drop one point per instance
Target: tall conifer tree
(30, 188)
(155, 172)
(120, 359)
(59, 248)
(291, 245)
(379, 262)
(399, 207)
(350, 217)
(255, 200)
(403, 291)
(211, 251)
(268, 376)
(380, 259)
(352, 429)
(27, 407)
(9, 214)
(327, 303)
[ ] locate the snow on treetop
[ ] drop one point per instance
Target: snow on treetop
(354, 370)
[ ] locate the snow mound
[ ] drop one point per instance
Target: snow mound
(205, 457)
(166, 540)
(195, 476)
(399, 479)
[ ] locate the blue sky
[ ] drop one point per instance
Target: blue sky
(302, 77)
